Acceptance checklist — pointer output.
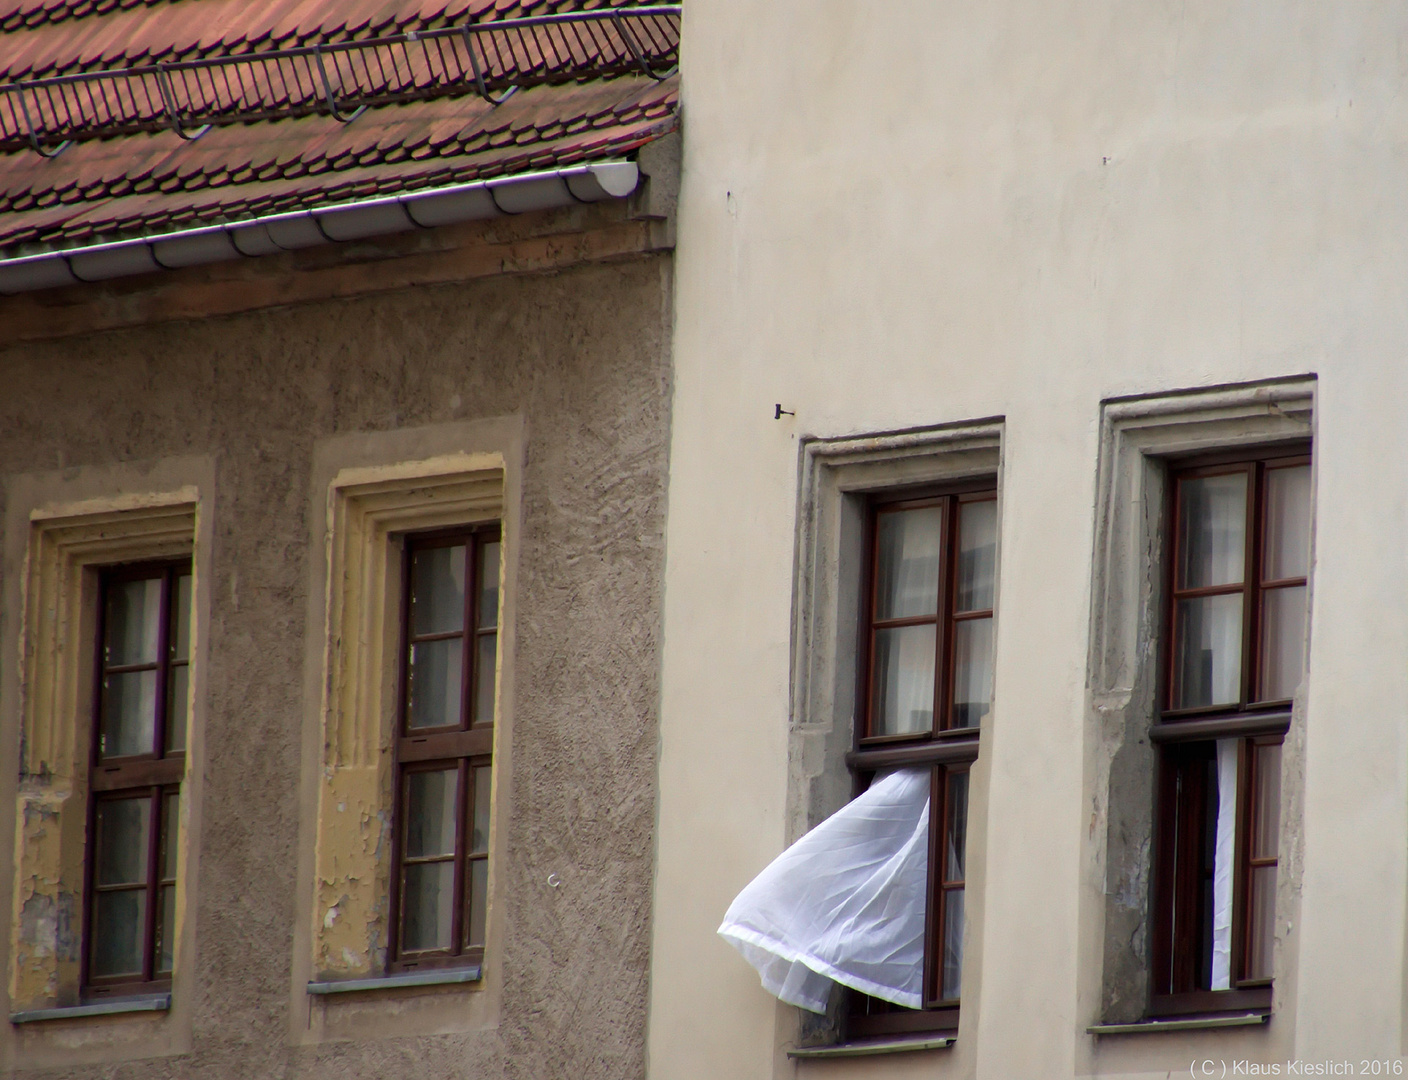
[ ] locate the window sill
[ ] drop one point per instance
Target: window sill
(873, 1047)
(1192, 1023)
(147, 1003)
(448, 977)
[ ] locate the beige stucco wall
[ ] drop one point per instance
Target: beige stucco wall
(904, 214)
(573, 365)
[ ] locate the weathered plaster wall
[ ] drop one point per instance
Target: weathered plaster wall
(905, 214)
(581, 357)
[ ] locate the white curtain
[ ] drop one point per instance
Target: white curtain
(845, 903)
(1224, 844)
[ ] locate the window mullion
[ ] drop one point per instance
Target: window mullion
(153, 876)
(943, 617)
(470, 639)
(163, 666)
(1251, 592)
(933, 908)
(457, 923)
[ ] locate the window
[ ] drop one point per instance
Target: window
(925, 688)
(136, 765)
(1234, 653)
(444, 748)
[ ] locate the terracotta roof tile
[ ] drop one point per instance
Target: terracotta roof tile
(130, 185)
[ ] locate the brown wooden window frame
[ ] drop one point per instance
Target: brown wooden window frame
(465, 748)
(948, 751)
(156, 776)
(1186, 740)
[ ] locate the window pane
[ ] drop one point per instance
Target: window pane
(953, 945)
(478, 900)
(972, 671)
(170, 828)
(166, 930)
(132, 622)
(435, 684)
(122, 841)
(429, 906)
(489, 585)
(977, 555)
(181, 620)
(129, 713)
(178, 698)
(1261, 933)
(1267, 782)
(437, 590)
(119, 919)
(1208, 670)
(957, 838)
(431, 800)
(1287, 522)
(910, 547)
(1282, 641)
(484, 673)
(903, 680)
(1212, 530)
(479, 839)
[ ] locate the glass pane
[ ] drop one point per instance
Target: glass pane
(486, 668)
(479, 838)
(132, 622)
(435, 685)
(431, 799)
(478, 900)
(1212, 540)
(170, 830)
(437, 590)
(1267, 781)
(122, 841)
(1262, 932)
(957, 826)
(1287, 522)
(953, 945)
(1282, 641)
(903, 680)
(129, 713)
(1208, 670)
(972, 671)
(178, 698)
(181, 617)
(427, 921)
(489, 585)
(977, 555)
(119, 921)
(166, 930)
(910, 547)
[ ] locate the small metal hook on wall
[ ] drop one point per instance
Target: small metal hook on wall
(554, 882)
(779, 412)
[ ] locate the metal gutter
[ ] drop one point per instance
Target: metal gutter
(290, 231)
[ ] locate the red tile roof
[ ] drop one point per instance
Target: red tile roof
(578, 106)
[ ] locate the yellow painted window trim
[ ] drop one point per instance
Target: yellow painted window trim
(60, 616)
(369, 509)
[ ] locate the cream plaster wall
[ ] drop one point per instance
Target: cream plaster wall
(903, 214)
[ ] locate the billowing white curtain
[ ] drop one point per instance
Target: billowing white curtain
(845, 903)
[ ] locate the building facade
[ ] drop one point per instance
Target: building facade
(334, 449)
(1136, 270)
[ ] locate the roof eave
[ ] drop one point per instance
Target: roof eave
(359, 220)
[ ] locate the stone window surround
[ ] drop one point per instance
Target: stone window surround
(1137, 435)
(60, 527)
(836, 476)
(369, 490)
